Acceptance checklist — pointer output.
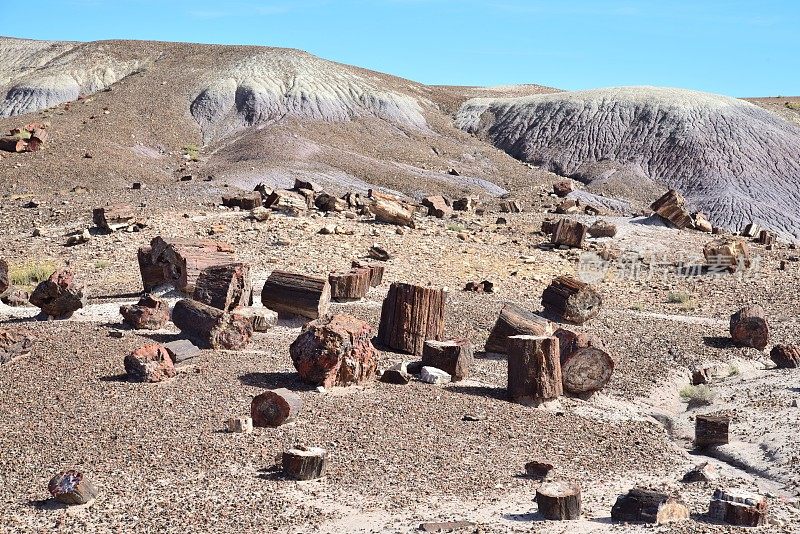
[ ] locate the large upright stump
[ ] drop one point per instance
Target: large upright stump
(749, 327)
(211, 327)
(641, 505)
(534, 369)
(304, 463)
(72, 487)
(585, 364)
(454, 357)
(738, 507)
(296, 294)
(515, 321)
(335, 352)
(410, 315)
(275, 407)
(569, 233)
(60, 295)
(559, 501)
(711, 430)
(571, 300)
(224, 286)
(352, 285)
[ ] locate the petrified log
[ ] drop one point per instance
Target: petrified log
(150, 363)
(510, 206)
(275, 407)
(751, 230)
(114, 217)
(602, 229)
(245, 201)
(454, 357)
(153, 274)
(571, 300)
(534, 369)
(335, 352)
(182, 260)
(647, 506)
(785, 356)
(352, 285)
(262, 319)
(60, 295)
(465, 204)
(569, 233)
(727, 254)
(765, 237)
(585, 364)
(701, 223)
(328, 202)
(150, 313)
(672, 207)
(304, 463)
(390, 212)
(375, 271)
(410, 315)
(306, 184)
(704, 472)
(749, 327)
(211, 327)
(438, 206)
(239, 425)
(738, 507)
(296, 294)
(14, 344)
(549, 226)
(515, 321)
(563, 188)
(538, 469)
(568, 206)
(283, 200)
(181, 350)
(711, 430)
(559, 501)
(224, 286)
(72, 487)
(4, 281)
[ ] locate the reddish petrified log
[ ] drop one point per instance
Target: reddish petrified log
(410, 315)
(224, 286)
(150, 313)
(335, 352)
(454, 357)
(60, 295)
(749, 327)
(275, 407)
(514, 321)
(211, 327)
(571, 300)
(150, 363)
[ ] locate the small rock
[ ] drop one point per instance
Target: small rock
(704, 472)
(239, 425)
(150, 313)
(537, 469)
(432, 375)
(328, 229)
(474, 417)
(150, 363)
(396, 374)
(260, 213)
(379, 253)
(72, 487)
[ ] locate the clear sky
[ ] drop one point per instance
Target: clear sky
(739, 48)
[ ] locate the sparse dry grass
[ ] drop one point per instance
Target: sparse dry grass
(31, 273)
(701, 394)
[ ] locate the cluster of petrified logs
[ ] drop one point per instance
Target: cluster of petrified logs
(27, 139)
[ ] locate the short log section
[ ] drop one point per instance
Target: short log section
(559, 501)
(571, 300)
(296, 294)
(515, 321)
(534, 369)
(305, 463)
(410, 315)
(275, 407)
(211, 327)
(749, 327)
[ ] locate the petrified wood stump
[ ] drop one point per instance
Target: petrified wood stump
(151, 363)
(559, 501)
(454, 357)
(211, 327)
(72, 487)
(305, 463)
(571, 300)
(534, 369)
(375, 271)
(224, 286)
(515, 321)
(153, 274)
(569, 233)
(275, 407)
(296, 294)
(785, 356)
(749, 327)
(60, 295)
(641, 505)
(352, 285)
(150, 313)
(410, 315)
(711, 430)
(335, 352)
(585, 364)
(737, 507)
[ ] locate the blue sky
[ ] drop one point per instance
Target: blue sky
(740, 48)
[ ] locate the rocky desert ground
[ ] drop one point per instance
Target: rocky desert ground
(350, 165)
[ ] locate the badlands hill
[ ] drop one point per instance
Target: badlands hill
(732, 159)
(253, 114)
